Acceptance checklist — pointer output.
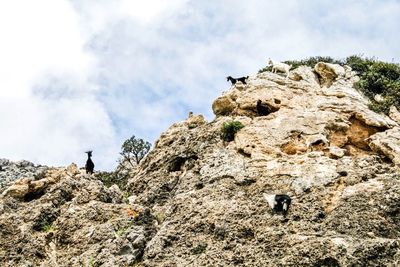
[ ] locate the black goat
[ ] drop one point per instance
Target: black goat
(235, 80)
(89, 163)
(262, 109)
(279, 203)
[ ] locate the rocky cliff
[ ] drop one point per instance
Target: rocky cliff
(197, 200)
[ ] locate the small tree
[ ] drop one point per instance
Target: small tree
(134, 148)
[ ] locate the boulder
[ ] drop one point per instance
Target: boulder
(388, 144)
(394, 114)
(328, 73)
(223, 105)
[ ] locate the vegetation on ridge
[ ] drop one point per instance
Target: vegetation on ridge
(115, 177)
(133, 150)
(376, 78)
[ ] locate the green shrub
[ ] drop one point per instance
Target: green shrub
(229, 129)
(110, 178)
(312, 61)
(120, 232)
(93, 262)
(47, 228)
(305, 62)
(384, 79)
(160, 217)
(376, 77)
(199, 249)
(358, 63)
(267, 68)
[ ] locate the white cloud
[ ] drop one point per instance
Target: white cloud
(88, 74)
(57, 131)
(37, 37)
(148, 10)
(47, 113)
(96, 15)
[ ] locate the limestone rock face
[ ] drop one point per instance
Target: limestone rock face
(329, 72)
(197, 200)
(387, 143)
(195, 120)
(12, 171)
(223, 105)
(19, 189)
(394, 114)
(68, 218)
(321, 145)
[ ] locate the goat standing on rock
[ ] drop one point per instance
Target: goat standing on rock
(89, 163)
(279, 66)
(279, 203)
(235, 80)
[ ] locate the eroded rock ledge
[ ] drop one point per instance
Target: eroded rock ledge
(196, 200)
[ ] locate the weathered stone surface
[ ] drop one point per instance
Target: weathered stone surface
(12, 171)
(68, 218)
(19, 189)
(315, 148)
(304, 74)
(223, 105)
(328, 72)
(337, 152)
(388, 143)
(379, 98)
(195, 120)
(394, 114)
(196, 200)
(72, 169)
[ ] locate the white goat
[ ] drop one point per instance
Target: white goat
(279, 66)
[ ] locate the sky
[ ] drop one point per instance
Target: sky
(78, 75)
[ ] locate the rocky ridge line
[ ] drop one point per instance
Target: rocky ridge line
(196, 200)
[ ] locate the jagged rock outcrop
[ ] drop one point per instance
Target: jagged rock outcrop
(197, 200)
(328, 73)
(318, 146)
(12, 171)
(388, 144)
(68, 218)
